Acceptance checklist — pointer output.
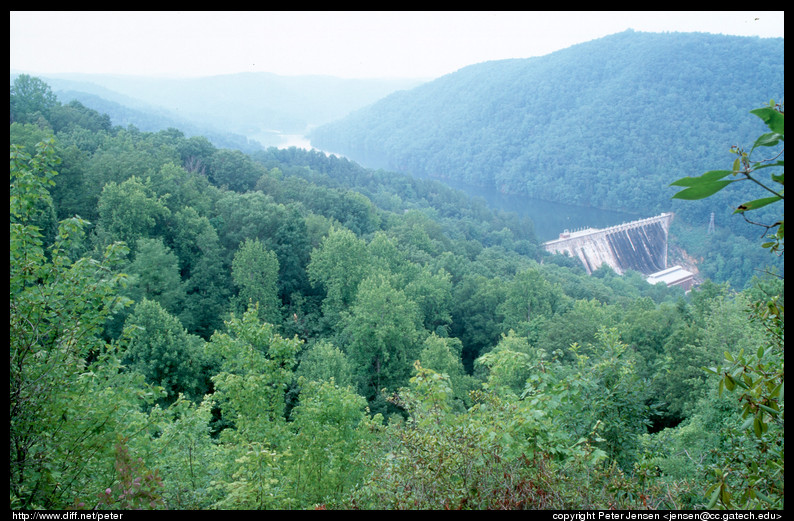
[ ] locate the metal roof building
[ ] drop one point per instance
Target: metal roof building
(675, 276)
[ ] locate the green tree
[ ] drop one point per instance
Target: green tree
(162, 351)
(578, 324)
(323, 362)
(128, 211)
(252, 215)
(255, 273)
(330, 423)
(154, 275)
(499, 454)
(339, 265)
(191, 235)
(609, 394)
(70, 194)
(234, 170)
(186, 456)
(381, 336)
(432, 292)
(207, 295)
(76, 115)
(531, 300)
(360, 215)
(180, 189)
(386, 253)
(118, 157)
(292, 247)
(509, 365)
(196, 154)
(27, 136)
(31, 98)
(256, 368)
(69, 401)
(443, 355)
(475, 318)
(684, 382)
(207, 279)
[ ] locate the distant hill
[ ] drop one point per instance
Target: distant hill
(152, 119)
(253, 105)
(607, 123)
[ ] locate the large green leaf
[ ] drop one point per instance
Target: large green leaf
(771, 165)
(702, 190)
(769, 139)
(772, 118)
(756, 204)
(708, 177)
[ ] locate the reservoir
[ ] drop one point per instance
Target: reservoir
(550, 218)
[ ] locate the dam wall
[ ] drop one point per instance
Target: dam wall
(638, 245)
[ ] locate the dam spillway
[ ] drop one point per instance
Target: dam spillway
(638, 245)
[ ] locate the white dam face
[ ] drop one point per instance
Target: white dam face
(638, 245)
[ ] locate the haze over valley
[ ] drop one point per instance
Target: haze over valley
(260, 107)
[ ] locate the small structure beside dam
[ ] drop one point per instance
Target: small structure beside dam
(638, 245)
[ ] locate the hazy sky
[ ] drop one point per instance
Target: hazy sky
(347, 44)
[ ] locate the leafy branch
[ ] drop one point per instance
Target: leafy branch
(743, 479)
(746, 169)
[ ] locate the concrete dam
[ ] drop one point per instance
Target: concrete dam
(638, 245)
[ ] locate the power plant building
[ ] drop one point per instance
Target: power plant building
(675, 276)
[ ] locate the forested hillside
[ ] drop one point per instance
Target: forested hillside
(192, 327)
(608, 123)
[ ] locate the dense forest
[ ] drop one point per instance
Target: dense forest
(193, 327)
(608, 123)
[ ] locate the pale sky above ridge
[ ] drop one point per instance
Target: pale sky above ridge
(348, 44)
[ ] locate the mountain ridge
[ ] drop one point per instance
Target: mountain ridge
(607, 123)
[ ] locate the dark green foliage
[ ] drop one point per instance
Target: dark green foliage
(162, 351)
(330, 423)
(234, 170)
(75, 115)
(154, 275)
(509, 378)
(530, 302)
(474, 315)
(128, 212)
(338, 266)
(255, 272)
(382, 335)
(324, 362)
(31, 100)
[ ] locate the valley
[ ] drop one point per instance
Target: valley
(210, 312)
